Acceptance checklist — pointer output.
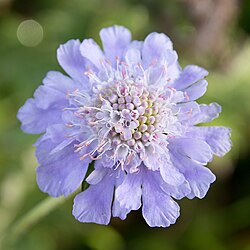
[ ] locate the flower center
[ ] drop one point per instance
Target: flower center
(126, 113)
(123, 119)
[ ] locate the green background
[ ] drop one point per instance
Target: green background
(212, 34)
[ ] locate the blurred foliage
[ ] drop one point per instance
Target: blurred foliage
(222, 220)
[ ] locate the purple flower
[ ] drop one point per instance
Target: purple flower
(130, 110)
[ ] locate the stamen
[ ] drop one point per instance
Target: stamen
(125, 118)
(93, 76)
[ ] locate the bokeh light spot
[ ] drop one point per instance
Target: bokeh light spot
(30, 33)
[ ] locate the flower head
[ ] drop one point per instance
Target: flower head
(131, 111)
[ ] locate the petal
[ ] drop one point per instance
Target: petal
(155, 75)
(54, 92)
(170, 57)
(199, 179)
(47, 97)
(94, 204)
(173, 72)
(57, 133)
(187, 110)
(196, 90)
(133, 57)
(168, 67)
(90, 50)
(198, 176)
(128, 194)
(96, 176)
(44, 145)
(195, 149)
(71, 60)
(35, 120)
(114, 40)
(171, 65)
(157, 158)
(132, 163)
(63, 173)
(191, 113)
(177, 192)
(190, 75)
(206, 114)
(46, 108)
(170, 174)
(154, 47)
(218, 138)
(118, 210)
(60, 82)
(136, 45)
(159, 209)
(177, 96)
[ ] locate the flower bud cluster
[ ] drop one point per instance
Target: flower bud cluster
(129, 112)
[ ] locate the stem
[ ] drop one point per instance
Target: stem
(25, 223)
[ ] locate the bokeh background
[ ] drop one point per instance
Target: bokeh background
(211, 33)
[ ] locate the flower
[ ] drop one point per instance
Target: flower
(130, 110)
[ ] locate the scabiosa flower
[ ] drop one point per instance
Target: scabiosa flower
(130, 110)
